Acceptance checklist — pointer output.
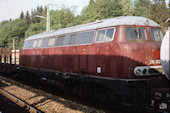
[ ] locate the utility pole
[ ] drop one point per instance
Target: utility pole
(48, 18)
(59, 25)
(13, 44)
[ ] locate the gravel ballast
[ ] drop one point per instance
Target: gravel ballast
(44, 101)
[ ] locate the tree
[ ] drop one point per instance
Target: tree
(142, 8)
(44, 11)
(39, 11)
(3, 22)
(15, 28)
(28, 18)
(159, 12)
(35, 29)
(128, 9)
(22, 15)
(91, 2)
(101, 9)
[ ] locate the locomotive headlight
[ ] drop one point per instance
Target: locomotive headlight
(137, 71)
(147, 70)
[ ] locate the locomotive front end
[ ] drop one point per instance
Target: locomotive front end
(141, 44)
(152, 62)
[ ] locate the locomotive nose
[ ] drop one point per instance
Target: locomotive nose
(152, 55)
(152, 61)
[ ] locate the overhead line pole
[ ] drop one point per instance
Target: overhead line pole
(48, 18)
(13, 44)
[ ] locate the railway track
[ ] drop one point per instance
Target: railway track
(44, 101)
(19, 102)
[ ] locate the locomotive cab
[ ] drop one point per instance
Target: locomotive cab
(142, 44)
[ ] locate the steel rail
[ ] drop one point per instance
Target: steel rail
(19, 102)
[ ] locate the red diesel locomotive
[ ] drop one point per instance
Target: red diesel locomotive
(121, 53)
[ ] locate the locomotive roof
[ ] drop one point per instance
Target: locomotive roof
(123, 20)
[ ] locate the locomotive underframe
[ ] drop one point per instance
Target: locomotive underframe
(131, 91)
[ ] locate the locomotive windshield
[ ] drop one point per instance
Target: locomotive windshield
(156, 34)
(136, 34)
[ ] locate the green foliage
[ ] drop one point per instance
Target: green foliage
(61, 18)
(35, 29)
(159, 13)
(22, 15)
(58, 19)
(28, 18)
(142, 7)
(3, 22)
(38, 11)
(128, 9)
(101, 9)
(13, 30)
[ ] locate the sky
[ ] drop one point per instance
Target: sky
(13, 8)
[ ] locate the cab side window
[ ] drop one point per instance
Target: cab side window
(100, 35)
(109, 34)
(105, 35)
